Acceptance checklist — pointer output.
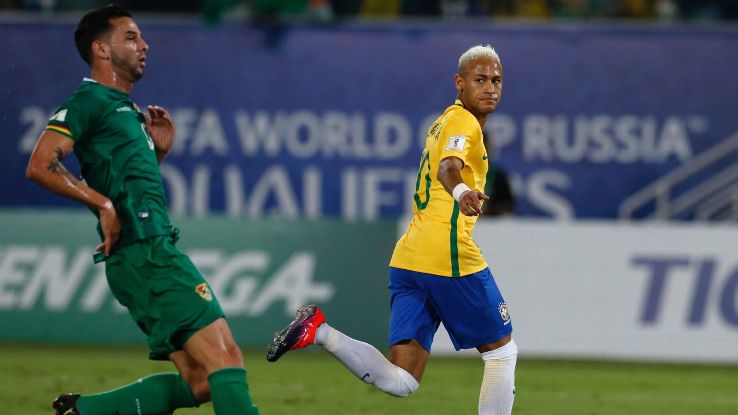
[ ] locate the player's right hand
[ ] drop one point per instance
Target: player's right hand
(110, 228)
(470, 202)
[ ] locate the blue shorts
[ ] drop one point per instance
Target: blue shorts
(470, 307)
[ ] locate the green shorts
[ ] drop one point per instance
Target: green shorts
(164, 292)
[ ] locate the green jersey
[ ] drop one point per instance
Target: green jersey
(117, 157)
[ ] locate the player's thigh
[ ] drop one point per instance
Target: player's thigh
(412, 316)
(182, 299)
(472, 309)
(164, 292)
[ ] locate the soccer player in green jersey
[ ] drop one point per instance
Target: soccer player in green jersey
(119, 149)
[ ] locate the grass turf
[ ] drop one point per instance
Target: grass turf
(312, 382)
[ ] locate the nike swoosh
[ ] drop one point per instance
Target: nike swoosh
(484, 157)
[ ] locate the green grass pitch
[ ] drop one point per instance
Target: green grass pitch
(312, 382)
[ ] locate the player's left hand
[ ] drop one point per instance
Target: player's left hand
(470, 202)
(162, 129)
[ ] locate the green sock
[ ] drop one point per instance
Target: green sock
(157, 394)
(229, 392)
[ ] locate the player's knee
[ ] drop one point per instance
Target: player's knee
(201, 392)
(227, 354)
(401, 392)
(401, 385)
(200, 388)
(233, 354)
(398, 389)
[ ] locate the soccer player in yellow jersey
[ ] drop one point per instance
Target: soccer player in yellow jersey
(437, 272)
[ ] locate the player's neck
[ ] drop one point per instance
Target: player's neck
(111, 79)
(481, 117)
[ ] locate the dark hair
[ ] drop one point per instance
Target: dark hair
(93, 25)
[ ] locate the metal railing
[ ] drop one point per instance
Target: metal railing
(713, 198)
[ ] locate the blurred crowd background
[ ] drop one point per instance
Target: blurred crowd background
(330, 10)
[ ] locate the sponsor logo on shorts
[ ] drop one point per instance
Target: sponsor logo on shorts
(204, 291)
(504, 313)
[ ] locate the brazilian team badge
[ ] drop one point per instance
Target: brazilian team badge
(204, 291)
(503, 312)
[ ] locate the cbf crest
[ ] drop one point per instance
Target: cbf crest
(204, 291)
(504, 314)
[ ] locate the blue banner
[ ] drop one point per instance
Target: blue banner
(308, 122)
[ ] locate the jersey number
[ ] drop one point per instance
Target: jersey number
(424, 166)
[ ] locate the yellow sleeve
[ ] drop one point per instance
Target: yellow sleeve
(457, 136)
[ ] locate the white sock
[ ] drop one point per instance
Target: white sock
(498, 385)
(366, 362)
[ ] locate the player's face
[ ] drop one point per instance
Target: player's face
(480, 85)
(127, 49)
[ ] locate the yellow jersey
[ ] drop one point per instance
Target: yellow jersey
(438, 239)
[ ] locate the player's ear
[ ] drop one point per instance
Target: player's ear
(100, 49)
(459, 82)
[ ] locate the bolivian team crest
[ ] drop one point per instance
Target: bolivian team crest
(504, 313)
(204, 291)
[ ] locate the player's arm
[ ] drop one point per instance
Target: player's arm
(45, 168)
(449, 174)
(162, 130)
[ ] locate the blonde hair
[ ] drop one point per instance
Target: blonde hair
(476, 52)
